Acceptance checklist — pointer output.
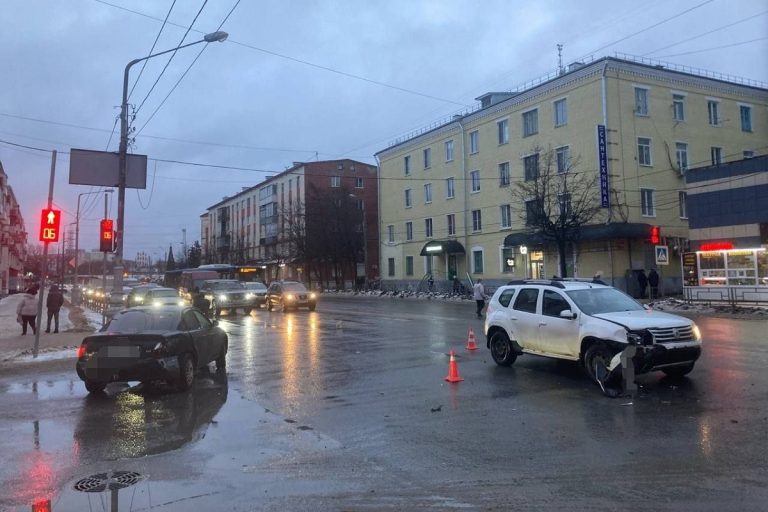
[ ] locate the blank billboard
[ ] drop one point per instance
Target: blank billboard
(102, 169)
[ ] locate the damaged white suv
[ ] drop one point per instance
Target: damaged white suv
(590, 322)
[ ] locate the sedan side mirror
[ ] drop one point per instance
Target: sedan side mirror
(215, 323)
(567, 313)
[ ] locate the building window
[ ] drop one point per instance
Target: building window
(427, 158)
(428, 228)
(427, 192)
(474, 142)
(565, 204)
(503, 128)
(409, 265)
(682, 198)
(531, 167)
(678, 107)
(409, 231)
(506, 216)
(713, 107)
(477, 220)
(504, 177)
(561, 112)
(508, 263)
(530, 123)
(391, 234)
(563, 155)
(477, 261)
(391, 267)
(716, 154)
(532, 212)
(451, 218)
(748, 154)
(641, 101)
(450, 190)
(644, 151)
(358, 182)
(449, 151)
(335, 181)
(648, 202)
(408, 199)
(475, 178)
(746, 118)
(681, 151)
(407, 165)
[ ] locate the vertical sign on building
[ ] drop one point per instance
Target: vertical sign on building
(602, 160)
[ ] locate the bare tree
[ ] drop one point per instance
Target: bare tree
(558, 199)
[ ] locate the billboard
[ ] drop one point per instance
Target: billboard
(102, 169)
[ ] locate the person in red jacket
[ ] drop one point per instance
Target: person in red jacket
(54, 302)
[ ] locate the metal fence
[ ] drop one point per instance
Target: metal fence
(732, 295)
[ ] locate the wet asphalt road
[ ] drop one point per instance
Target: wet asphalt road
(346, 409)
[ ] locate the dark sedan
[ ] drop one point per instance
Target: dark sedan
(149, 343)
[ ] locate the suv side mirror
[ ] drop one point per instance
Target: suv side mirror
(567, 313)
(215, 323)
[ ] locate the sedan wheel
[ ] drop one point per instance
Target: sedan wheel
(501, 349)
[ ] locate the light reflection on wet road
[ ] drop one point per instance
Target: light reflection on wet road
(346, 408)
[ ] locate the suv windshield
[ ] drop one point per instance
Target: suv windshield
(143, 321)
(164, 293)
(224, 285)
(294, 287)
(594, 301)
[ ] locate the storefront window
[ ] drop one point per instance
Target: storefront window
(741, 268)
(712, 268)
(762, 268)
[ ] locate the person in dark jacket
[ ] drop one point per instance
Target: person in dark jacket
(653, 281)
(53, 304)
(200, 302)
(642, 280)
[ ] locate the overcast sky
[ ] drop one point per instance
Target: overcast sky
(298, 80)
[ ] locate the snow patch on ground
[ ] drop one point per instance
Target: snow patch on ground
(449, 297)
(46, 354)
(681, 306)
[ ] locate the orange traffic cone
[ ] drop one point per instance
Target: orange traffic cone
(453, 369)
(471, 343)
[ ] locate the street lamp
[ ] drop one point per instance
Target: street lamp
(365, 240)
(77, 233)
(117, 290)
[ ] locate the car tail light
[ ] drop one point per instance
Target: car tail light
(81, 351)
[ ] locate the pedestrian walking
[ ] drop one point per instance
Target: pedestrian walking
(431, 282)
(26, 311)
(478, 292)
(53, 304)
(642, 280)
(653, 281)
(456, 285)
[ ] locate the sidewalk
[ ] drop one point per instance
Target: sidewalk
(73, 327)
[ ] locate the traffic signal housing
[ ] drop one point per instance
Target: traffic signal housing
(106, 236)
(655, 235)
(50, 220)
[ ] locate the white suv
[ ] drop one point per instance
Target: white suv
(590, 322)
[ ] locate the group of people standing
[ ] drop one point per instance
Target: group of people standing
(651, 279)
(26, 311)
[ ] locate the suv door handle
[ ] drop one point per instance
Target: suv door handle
(542, 323)
(513, 318)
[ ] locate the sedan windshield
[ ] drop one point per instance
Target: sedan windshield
(164, 293)
(594, 301)
(132, 322)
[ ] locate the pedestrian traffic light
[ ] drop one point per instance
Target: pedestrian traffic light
(107, 236)
(50, 220)
(655, 235)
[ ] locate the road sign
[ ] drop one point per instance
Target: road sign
(662, 255)
(50, 220)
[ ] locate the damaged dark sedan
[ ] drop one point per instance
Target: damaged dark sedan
(151, 343)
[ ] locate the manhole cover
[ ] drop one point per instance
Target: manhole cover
(108, 481)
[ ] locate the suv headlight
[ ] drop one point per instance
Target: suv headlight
(250, 296)
(222, 297)
(634, 338)
(289, 297)
(312, 295)
(696, 333)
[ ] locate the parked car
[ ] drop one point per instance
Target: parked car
(160, 296)
(588, 322)
(259, 292)
(147, 343)
(290, 295)
(136, 294)
(227, 295)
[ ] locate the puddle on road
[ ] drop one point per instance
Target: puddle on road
(192, 449)
(49, 389)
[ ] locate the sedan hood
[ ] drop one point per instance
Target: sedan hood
(635, 320)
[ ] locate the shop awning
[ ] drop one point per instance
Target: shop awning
(442, 247)
(592, 232)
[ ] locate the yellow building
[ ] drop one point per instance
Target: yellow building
(448, 205)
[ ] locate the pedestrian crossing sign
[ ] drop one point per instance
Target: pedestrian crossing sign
(662, 255)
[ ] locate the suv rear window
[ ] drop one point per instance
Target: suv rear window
(526, 300)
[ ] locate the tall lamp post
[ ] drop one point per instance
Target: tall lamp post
(77, 234)
(116, 299)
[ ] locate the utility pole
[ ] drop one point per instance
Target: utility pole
(44, 270)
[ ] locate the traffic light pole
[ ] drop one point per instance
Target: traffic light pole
(104, 270)
(44, 269)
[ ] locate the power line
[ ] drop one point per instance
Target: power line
(144, 64)
(300, 61)
(714, 48)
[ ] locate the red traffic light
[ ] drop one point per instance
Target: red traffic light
(106, 235)
(50, 220)
(655, 235)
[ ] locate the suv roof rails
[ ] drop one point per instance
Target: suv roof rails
(550, 282)
(593, 280)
